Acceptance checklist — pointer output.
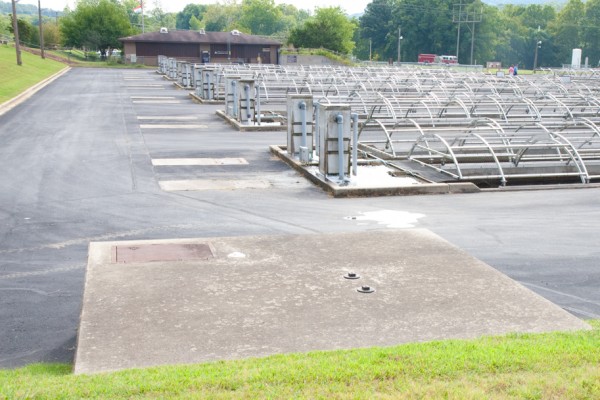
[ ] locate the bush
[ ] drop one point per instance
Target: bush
(91, 56)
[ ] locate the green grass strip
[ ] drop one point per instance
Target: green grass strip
(15, 79)
(518, 366)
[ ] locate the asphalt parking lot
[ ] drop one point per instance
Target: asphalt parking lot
(79, 165)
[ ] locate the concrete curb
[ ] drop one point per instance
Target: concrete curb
(15, 101)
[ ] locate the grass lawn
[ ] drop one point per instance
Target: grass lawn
(518, 366)
(15, 79)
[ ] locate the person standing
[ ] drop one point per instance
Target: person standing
(511, 70)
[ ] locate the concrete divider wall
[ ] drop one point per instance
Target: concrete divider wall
(306, 59)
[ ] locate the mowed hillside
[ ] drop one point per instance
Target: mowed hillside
(14, 79)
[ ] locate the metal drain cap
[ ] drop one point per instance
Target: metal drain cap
(365, 289)
(352, 275)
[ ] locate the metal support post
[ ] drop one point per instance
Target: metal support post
(354, 144)
(235, 98)
(208, 87)
(302, 107)
(340, 125)
(258, 117)
(316, 129)
(248, 114)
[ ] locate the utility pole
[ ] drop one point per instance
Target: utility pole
(457, 18)
(466, 13)
(538, 45)
(16, 32)
(41, 30)
(399, 44)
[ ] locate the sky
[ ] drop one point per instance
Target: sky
(350, 6)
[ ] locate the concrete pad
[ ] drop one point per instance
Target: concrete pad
(198, 161)
(261, 295)
(213, 184)
(371, 180)
(242, 127)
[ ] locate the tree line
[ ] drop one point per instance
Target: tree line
(474, 31)
(508, 33)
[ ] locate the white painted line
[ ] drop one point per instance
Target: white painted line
(156, 101)
(144, 86)
(199, 161)
(169, 118)
(153, 97)
(172, 126)
(213, 184)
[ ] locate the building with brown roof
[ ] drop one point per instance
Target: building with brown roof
(201, 46)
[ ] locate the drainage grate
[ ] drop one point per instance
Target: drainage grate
(161, 252)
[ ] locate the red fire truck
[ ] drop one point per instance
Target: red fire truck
(435, 59)
(427, 58)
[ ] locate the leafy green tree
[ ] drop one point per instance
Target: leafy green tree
(291, 17)
(376, 26)
(567, 29)
(51, 34)
(525, 26)
(95, 24)
(261, 17)
(184, 17)
(330, 28)
(491, 38)
(427, 27)
(159, 18)
(27, 32)
(591, 32)
(195, 23)
(4, 24)
(222, 17)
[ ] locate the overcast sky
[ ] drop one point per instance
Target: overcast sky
(351, 7)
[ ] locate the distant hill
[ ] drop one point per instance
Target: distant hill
(499, 3)
(27, 9)
(523, 2)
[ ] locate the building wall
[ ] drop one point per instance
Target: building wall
(129, 48)
(219, 53)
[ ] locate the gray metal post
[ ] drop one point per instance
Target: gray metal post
(354, 144)
(248, 114)
(316, 129)
(208, 88)
(302, 107)
(258, 104)
(340, 125)
(235, 99)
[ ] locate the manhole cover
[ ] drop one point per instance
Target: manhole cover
(161, 252)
